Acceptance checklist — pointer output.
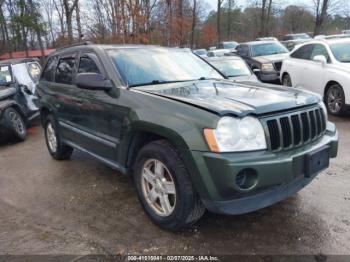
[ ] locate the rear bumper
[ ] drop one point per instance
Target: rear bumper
(279, 175)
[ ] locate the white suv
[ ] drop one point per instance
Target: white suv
(322, 67)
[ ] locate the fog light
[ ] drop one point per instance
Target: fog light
(247, 179)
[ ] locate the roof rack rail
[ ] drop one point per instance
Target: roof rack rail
(76, 44)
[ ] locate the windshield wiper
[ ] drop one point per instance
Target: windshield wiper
(158, 82)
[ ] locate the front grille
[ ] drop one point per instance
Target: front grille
(294, 129)
(278, 65)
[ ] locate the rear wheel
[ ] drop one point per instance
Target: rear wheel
(57, 149)
(164, 187)
(15, 124)
(335, 100)
(286, 80)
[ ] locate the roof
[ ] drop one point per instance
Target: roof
(77, 47)
(223, 58)
(260, 42)
(22, 54)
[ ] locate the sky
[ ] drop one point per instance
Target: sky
(243, 3)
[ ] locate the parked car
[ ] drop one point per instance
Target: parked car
(218, 52)
(291, 40)
(321, 67)
(264, 58)
(18, 108)
(190, 139)
(230, 45)
(201, 52)
(233, 67)
(269, 38)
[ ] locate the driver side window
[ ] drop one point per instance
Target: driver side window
(320, 50)
(88, 65)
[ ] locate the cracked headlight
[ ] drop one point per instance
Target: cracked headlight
(236, 135)
(268, 67)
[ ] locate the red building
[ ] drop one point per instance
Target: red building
(31, 54)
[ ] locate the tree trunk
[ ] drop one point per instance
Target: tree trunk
(80, 33)
(37, 29)
(194, 18)
(218, 22)
(320, 16)
(69, 13)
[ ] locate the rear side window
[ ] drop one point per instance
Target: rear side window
(49, 71)
(303, 52)
(65, 70)
(88, 65)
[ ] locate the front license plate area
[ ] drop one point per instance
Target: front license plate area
(316, 161)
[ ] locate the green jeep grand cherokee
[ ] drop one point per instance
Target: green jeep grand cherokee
(191, 139)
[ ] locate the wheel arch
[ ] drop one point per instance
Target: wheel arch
(44, 112)
(12, 104)
(139, 137)
(328, 85)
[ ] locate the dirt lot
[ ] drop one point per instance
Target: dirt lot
(82, 207)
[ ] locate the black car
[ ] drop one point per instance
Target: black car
(264, 58)
(18, 103)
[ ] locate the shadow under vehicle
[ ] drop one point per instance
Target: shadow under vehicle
(18, 109)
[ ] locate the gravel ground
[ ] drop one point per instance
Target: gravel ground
(83, 207)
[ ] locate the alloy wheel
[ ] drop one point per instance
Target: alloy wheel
(158, 187)
(51, 137)
(334, 100)
(17, 123)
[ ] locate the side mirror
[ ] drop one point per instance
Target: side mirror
(256, 71)
(93, 81)
(320, 58)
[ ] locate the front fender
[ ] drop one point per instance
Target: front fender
(6, 104)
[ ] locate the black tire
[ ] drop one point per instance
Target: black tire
(335, 100)
(60, 151)
(188, 207)
(286, 80)
(15, 124)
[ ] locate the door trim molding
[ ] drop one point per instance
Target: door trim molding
(111, 142)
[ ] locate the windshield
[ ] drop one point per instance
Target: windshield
(229, 45)
(232, 67)
(159, 65)
(268, 49)
(5, 75)
(341, 52)
(200, 52)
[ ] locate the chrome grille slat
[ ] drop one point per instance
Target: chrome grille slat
(291, 130)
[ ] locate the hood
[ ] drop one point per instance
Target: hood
(238, 98)
(244, 78)
(6, 92)
(271, 58)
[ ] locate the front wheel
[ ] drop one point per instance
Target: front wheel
(335, 100)
(164, 187)
(15, 124)
(286, 80)
(57, 149)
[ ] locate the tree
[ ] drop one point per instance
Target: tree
(69, 7)
(218, 22)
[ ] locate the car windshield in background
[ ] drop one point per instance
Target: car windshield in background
(268, 49)
(5, 75)
(341, 52)
(156, 66)
(229, 45)
(302, 36)
(232, 67)
(200, 52)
